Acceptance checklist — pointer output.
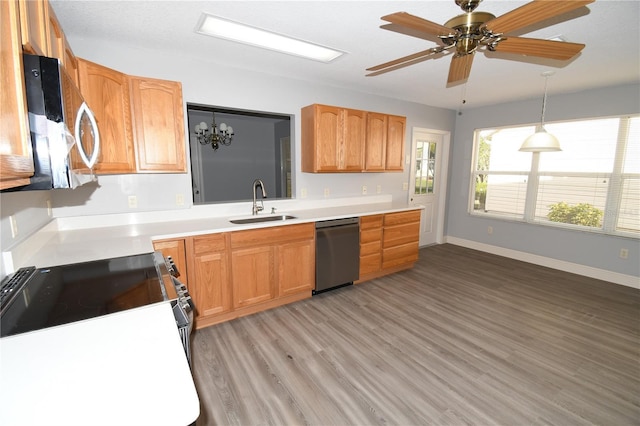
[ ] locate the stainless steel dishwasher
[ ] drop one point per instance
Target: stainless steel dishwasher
(337, 253)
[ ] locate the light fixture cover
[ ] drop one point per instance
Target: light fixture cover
(223, 28)
(541, 141)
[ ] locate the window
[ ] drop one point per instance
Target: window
(592, 184)
(425, 167)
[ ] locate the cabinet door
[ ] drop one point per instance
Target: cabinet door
(55, 35)
(106, 91)
(158, 122)
(376, 146)
(16, 161)
(33, 23)
(70, 63)
(175, 249)
(209, 281)
(395, 143)
(321, 138)
(296, 267)
(253, 275)
(355, 130)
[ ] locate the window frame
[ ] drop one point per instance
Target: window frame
(613, 198)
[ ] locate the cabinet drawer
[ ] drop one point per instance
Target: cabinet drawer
(209, 243)
(272, 235)
(370, 248)
(392, 219)
(369, 264)
(406, 253)
(370, 235)
(401, 234)
(369, 222)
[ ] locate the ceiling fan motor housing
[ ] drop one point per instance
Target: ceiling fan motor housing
(468, 27)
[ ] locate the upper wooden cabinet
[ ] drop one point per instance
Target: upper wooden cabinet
(158, 123)
(106, 91)
(336, 139)
(141, 121)
(33, 24)
(16, 161)
(332, 139)
(394, 158)
(376, 142)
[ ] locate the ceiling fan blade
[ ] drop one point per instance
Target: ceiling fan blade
(536, 47)
(460, 68)
(411, 32)
(413, 22)
(409, 58)
(531, 13)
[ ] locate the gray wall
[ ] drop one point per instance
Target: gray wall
(584, 248)
(228, 172)
(244, 90)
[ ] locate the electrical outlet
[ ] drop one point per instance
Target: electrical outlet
(326, 192)
(49, 210)
(490, 230)
(133, 202)
(407, 159)
(364, 189)
(179, 200)
(624, 253)
(405, 186)
(379, 189)
(14, 226)
(303, 193)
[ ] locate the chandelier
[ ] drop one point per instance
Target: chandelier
(215, 135)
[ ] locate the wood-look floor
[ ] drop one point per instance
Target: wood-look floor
(463, 338)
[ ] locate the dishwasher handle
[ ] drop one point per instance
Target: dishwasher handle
(337, 222)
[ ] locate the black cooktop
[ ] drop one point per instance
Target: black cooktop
(37, 298)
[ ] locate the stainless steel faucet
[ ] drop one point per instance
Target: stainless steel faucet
(258, 208)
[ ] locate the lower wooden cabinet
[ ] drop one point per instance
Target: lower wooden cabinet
(272, 263)
(388, 243)
(400, 239)
(176, 249)
(209, 277)
(253, 277)
(370, 246)
(232, 274)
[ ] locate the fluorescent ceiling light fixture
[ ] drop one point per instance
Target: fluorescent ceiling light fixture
(218, 27)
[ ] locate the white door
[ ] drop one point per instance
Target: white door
(428, 182)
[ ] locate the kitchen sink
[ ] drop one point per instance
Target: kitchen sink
(257, 219)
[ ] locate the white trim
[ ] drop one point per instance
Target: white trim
(443, 175)
(575, 268)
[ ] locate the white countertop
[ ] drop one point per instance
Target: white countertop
(79, 240)
(126, 368)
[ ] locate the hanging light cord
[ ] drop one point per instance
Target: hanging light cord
(544, 99)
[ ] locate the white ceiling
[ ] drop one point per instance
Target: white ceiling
(609, 28)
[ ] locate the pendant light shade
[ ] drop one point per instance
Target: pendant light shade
(541, 141)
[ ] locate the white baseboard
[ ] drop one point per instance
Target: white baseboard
(575, 268)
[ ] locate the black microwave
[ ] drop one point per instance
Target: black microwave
(59, 123)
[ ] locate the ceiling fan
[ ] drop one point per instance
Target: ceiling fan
(466, 33)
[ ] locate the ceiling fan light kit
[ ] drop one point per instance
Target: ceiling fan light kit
(471, 31)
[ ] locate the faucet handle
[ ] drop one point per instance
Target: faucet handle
(273, 210)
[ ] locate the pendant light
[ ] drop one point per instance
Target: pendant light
(541, 141)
